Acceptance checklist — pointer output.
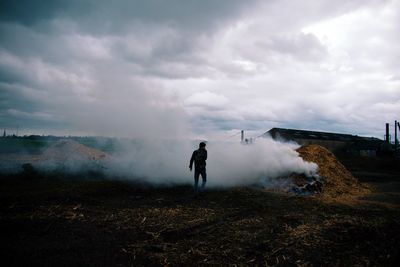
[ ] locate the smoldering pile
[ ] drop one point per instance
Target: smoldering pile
(332, 182)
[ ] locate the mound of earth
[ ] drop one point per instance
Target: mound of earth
(65, 150)
(338, 182)
(63, 154)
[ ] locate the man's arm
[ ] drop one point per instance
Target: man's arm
(192, 159)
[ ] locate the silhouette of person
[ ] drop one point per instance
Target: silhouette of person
(199, 158)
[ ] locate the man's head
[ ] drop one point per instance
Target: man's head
(202, 144)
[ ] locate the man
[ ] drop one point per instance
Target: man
(199, 158)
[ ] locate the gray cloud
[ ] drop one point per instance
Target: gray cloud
(107, 17)
(139, 67)
(32, 12)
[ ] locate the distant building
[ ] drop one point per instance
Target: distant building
(336, 142)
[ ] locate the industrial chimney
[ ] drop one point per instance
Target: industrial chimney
(396, 142)
(387, 136)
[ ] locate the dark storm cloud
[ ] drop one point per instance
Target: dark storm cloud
(157, 36)
(10, 97)
(20, 109)
(97, 66)
(103, 16)
(33, 12)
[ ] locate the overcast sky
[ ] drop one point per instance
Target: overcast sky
(204, 69)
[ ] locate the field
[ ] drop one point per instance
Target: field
(75, 220)
(50, 221)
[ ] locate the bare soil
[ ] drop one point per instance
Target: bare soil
(52, 221)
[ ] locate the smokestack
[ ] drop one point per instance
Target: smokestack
(387, 133)
(395, 136)
(242, 136)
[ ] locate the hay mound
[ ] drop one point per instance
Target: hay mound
(338, 182)
(69, 150)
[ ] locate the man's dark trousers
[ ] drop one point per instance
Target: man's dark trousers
(197, 173)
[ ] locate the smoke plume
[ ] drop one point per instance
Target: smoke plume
(166, 162)
(228, 164)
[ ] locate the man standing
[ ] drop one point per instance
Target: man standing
(199, 158)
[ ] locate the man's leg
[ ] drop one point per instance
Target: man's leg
(204, 177)
(196, 180)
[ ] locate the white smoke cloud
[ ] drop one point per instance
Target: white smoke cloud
(166, 162)
(229, 163)
(234, 164)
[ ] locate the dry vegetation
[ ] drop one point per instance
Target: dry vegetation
(338, 183)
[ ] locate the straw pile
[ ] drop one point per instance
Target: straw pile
(65, 150)
(64, 154)
(338, 182)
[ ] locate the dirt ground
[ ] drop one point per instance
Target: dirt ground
(53, 221)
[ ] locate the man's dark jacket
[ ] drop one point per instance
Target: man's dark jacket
(199, 157)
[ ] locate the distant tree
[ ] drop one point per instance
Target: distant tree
(4, 133)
